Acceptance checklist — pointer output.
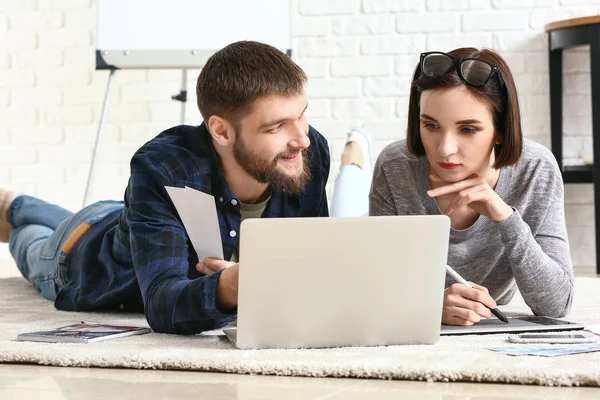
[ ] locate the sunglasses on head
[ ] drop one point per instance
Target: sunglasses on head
(473, 71)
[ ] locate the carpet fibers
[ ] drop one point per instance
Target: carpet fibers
(462, 358)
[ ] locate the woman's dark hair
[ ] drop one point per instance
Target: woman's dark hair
(501, 98)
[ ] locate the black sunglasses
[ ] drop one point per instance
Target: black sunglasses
(473, 71)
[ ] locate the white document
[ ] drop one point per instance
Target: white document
(198, 213)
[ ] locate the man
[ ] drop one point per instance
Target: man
(255, 153)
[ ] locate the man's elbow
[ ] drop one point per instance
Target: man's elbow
(158, 323)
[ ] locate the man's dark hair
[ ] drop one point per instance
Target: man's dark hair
(237, 75)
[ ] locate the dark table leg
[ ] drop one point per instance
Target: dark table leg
(595, 74)
(556, 103)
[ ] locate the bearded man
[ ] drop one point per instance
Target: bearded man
(255, 153)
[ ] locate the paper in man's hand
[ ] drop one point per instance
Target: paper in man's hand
(198, 213)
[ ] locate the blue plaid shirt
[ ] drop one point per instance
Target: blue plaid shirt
(139, 257)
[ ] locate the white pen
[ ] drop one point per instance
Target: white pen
(462, 280)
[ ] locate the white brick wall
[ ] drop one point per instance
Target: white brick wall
(359, 56)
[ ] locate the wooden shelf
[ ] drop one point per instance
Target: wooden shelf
(570, 23)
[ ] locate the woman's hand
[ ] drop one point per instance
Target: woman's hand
(473, 192)
(465, 306)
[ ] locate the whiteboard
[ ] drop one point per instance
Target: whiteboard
(184, 33)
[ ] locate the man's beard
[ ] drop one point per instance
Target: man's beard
(265, 170)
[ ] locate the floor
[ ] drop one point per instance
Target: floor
(23, 382)
(53, 383)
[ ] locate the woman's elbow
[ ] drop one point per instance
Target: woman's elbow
(555, 309)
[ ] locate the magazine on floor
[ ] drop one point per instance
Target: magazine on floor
(85, 332)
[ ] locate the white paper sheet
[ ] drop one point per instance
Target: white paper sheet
(198, 213)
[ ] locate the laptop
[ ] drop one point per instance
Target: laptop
(332, 282)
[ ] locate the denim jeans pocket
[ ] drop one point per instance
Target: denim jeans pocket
(50, 247)
(89, 215)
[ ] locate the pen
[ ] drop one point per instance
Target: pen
(460, 279)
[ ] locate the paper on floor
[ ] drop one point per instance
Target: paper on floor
(546, 350)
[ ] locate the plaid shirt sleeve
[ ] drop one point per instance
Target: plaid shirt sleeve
(173, 303)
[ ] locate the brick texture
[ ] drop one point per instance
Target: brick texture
(359, 56)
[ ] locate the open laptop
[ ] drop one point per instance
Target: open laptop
(329, 282)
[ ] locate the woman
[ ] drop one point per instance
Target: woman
(464, 156)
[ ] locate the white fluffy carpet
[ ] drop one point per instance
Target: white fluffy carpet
(462, 358)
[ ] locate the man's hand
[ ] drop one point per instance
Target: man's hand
(465, 306)
(227, 285)
(210, 265)
(474, 192)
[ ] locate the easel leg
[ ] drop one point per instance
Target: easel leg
(86, 198)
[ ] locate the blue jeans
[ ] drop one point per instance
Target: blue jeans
(39, 232)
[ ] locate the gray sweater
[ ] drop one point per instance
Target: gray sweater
(528, 251)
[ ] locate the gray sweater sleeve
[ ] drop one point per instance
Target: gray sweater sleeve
(540, 261)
